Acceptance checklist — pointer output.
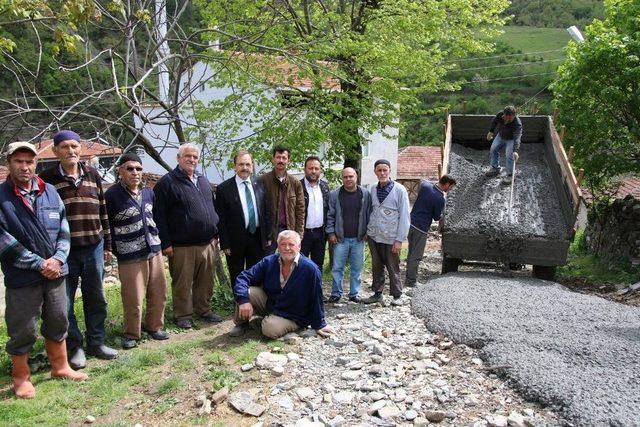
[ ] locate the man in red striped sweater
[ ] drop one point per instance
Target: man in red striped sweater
(80, 188)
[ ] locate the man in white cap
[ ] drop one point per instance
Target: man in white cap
(34, 246)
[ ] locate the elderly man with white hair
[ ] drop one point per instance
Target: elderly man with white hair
(188, 226)
(286, 287)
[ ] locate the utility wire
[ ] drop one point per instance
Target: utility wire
(507, 78)
(509, 65)
(478, 58)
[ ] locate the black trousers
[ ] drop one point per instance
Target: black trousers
(313, 245)
(245, 255)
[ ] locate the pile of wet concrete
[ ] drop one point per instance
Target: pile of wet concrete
(480, 205)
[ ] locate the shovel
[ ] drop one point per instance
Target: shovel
(513, 180)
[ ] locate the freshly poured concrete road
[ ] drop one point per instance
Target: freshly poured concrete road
(579, 354)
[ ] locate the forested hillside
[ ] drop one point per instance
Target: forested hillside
(554, 14)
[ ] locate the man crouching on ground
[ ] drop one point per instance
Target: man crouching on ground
(285, 287)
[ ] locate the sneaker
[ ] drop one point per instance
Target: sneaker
(78, 360)
(492, 172)
(377, 297)
(333, 298)
(356, 299)
(212, 318)
(158, 335)
(506, 180)
(238, 330)
(397, 301)
(184, 323)
(129, 343)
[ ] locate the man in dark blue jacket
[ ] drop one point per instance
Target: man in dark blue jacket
(285, 287)
(34, 246)
(427, 208)
(188, 226)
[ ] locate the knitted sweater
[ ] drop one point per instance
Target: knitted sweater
(134, 232)
(85, 205)
(299, 300)
(389, 221)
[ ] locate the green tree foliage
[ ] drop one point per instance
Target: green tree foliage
(554, 14)
(361, 61)
(598, 94)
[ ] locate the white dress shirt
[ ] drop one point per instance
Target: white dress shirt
(243, 200)
(315, 210)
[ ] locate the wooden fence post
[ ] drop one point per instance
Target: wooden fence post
(563, 130)
(570, 154)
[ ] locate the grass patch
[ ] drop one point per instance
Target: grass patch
(245, 353)
(222, 378)
(582, 266)
(169, 385)
(532, 39)
(164, 405)
(216, 358)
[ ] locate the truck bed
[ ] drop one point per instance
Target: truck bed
(478, 224)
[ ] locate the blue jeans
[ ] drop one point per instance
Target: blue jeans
(494, 153)
(350, 249)
(86, 266)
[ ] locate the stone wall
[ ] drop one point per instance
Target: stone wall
(613, 232)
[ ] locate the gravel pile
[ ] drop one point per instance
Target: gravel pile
(383, 368)
(578, 353)
(480, 205)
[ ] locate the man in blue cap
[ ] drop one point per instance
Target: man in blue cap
(80, 188)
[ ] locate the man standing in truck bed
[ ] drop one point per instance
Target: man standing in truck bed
(508, 132)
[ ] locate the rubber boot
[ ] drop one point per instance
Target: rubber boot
(57, 352)
(21, 376)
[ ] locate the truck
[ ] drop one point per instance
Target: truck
(484, 223)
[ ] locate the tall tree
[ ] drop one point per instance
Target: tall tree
(598, 94)
(337, 70)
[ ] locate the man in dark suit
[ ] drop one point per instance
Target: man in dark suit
(316, 206)
(245, 231)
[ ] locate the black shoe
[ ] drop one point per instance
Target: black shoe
(184, 323)
(355, 299)
(377, 297)
(506, 180)
(102, 352)
(238, 330)
(212, 318)
(492, 172)
(129, 343)
(333, 298)
(158, 335)
(410, 285)
(78, 360)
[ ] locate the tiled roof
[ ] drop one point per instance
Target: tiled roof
(89, 149)
(629, 186)
(419, 162)
(625, 187)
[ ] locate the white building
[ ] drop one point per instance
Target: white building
(380, 145)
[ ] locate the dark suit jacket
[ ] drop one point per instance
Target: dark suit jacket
(324, 188)
(229, 209)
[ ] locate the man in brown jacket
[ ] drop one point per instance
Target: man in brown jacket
(285, 196)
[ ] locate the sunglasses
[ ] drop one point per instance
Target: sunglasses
(134, 168)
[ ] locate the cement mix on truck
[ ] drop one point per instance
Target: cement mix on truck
(480, 205)
(577, 353)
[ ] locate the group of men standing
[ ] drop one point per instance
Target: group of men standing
(62, 225)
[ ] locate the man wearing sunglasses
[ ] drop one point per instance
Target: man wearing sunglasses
(136, 245)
